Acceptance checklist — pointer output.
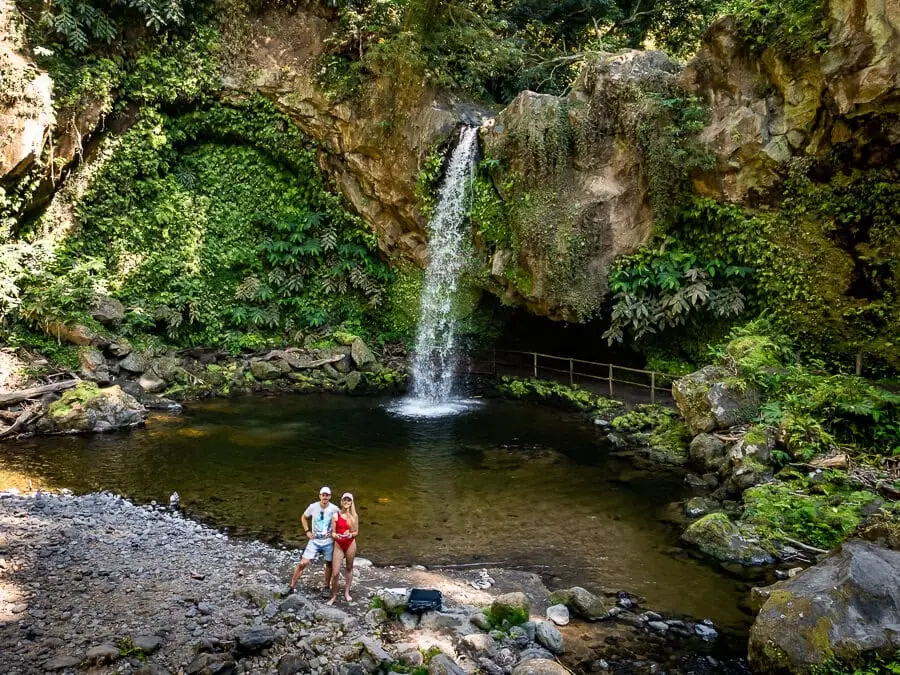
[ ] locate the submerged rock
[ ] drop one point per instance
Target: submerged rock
(846, 608)
(581, 601)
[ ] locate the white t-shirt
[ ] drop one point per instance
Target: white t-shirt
(320, 521)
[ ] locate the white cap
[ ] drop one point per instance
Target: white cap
(324, 488)
(347, 494)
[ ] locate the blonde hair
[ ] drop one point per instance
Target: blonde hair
(355, 522)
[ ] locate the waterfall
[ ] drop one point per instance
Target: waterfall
(434, 362)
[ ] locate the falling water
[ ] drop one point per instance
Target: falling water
(434, 363)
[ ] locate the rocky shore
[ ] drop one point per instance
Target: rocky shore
(95, 583)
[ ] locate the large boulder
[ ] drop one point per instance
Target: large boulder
(512, 607)
(844, 609)
(718, 537)
(86, 408)
(540, 667)
(76, 334)
(361, 354)
(108, 311)
(711, 399)
(581, 601)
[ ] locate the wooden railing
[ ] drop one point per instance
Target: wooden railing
(499, 362)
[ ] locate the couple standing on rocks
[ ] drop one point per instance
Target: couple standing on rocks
(330, 525)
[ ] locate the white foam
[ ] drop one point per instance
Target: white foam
(419, 408)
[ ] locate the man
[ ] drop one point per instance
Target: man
(317, 525)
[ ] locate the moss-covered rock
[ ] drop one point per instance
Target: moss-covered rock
(512, 608)
(712, 399)
(844, 610)
(716, 536)
(87, 408)
(581, 601)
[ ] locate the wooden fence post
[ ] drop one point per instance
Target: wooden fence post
(652, 387)
(859, 364)
(610, 381)
(535, 365)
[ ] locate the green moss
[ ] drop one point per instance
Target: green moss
(546, 391)
(818, 514)
(81, 394)
(757, 435)
(752, 353)
(505, 617)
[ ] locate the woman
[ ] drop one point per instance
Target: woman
(344, 528)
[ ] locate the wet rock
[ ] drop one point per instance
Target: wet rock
(708, 452)
(479, 620)
(488, 667)
(265, 370)
(375, 617)
(847, 608)
(412, 658)
(76, 334)
(705, 632)
(355, 381)
(86, 408)
(695, 507)
(558, 614)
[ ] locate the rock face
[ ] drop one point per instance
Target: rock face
(26, 110)
(374, 164)
(766, 109)
(587, 180)
(846, 608)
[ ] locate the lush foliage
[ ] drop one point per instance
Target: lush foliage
(821, 513)
(666, 287)
(566, 396)
(80, 22)
(796, 28)
(215, 227)
(825, 260)
(816, 412)
(493, 50)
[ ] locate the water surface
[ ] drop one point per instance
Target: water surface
(506, 483)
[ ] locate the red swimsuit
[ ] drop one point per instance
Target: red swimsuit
(342, 527)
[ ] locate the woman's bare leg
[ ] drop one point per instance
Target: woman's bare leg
(348, 578)
(335, 572)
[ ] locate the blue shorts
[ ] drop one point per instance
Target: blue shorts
(313, 549)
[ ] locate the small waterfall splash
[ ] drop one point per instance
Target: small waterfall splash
(434, 363)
